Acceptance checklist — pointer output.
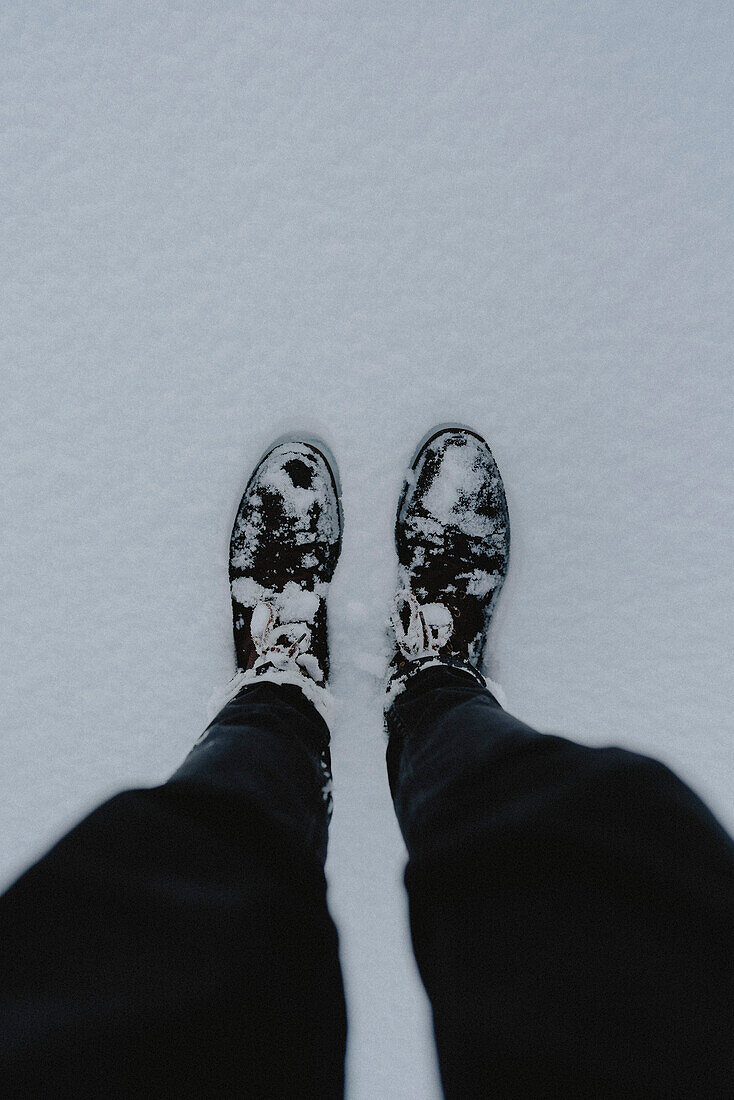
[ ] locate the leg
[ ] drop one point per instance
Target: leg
(177, 941)
(571, 908)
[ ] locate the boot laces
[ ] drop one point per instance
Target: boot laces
(281, 645)
(429, 626)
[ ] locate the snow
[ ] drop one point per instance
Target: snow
(438, 616)
(293, 604)
(247, 591)
(480, 583)
(356, 221)
(457, 483)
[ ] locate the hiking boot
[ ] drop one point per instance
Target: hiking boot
(452, 536)
(283, 552)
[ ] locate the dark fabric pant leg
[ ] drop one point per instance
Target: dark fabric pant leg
(572, 909)
(177, 941)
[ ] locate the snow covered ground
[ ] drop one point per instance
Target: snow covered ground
(225, 221)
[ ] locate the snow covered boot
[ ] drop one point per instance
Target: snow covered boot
(283, 552)
(452, 535)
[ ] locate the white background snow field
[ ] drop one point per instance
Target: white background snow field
(225, 221)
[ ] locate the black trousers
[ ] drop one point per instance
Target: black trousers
(572, 914)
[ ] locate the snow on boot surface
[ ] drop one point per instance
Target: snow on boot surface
(452, 535)
(283, 552)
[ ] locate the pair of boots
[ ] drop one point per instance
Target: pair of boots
(452, 536)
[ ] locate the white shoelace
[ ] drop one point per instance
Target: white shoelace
(283, 657)
(429, 628)
(280, 644)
